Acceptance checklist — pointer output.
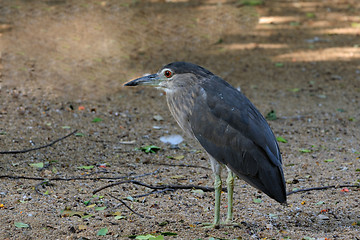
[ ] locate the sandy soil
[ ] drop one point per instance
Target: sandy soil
(62, 65)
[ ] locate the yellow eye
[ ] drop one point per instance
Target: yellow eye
(168, 74)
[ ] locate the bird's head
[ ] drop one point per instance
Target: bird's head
(176, 74)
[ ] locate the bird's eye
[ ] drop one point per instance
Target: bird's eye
(168, 74)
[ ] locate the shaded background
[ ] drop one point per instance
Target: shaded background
(298, 58)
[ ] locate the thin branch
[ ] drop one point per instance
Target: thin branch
(154, 192)
(181, 165)
(37, 148)
(321, 188)
(143, 216)
(76, 178)
(161, 187)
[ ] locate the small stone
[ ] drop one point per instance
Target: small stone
(323, 217)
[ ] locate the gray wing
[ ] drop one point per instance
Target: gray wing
(235, 133)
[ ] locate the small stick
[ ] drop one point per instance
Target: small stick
(143, 216)
(181, 165)
(154, 192)
(321, 188)
(161, 187)
(75, 178)
(37, 148)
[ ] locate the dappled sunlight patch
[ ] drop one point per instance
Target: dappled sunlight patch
(339, 31)
(326, 54)
(263, 27)
(247, 46)
(278, 19)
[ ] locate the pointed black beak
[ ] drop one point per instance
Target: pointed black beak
(149, 80)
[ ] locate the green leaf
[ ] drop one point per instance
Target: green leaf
(86, 167)
(150, 149)
(304, 150)
(271, 115)
(198, 191)
(21, 225)
(320, 203)
(340, 110)
(329, 160)
(100, 208)
(65, 127)
(281, 139)
(95, 120)
(357, 170)
(102, 232)
(279, 64)
(2, 133)
(290, 165)
(355, 25)
(37, 165)
(310, 15)
(257, 200)
(54, 170)
(119, 217)
(294, 89)
(149, 237)
(294, 24)
(79, 134)
(251, 2)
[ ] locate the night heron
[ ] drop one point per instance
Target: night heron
(228, 126)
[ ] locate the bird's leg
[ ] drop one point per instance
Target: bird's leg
(230, 193)
(216, 167)
(217, 186)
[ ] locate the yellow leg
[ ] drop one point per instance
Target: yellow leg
(230, 193)
(217, 187)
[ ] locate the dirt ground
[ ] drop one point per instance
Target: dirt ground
(62, 66)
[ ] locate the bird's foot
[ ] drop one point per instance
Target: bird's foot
(211, 225)
(231, 223)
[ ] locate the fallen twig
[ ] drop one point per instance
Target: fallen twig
(123, 203)
(181, 165)
(153, 192)
(37, 148)
(161, 187)
(76, 178)
(321, 188)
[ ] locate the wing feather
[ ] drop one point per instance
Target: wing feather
(235, 133)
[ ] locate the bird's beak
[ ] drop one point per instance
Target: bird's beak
(149, 80)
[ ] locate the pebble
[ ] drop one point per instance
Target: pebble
(323, 217)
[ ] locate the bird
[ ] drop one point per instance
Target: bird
(227, 125)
